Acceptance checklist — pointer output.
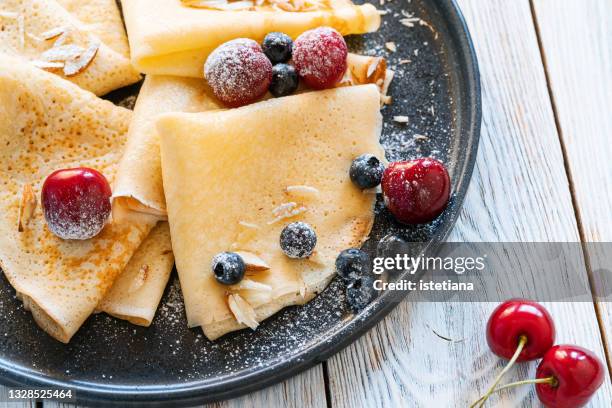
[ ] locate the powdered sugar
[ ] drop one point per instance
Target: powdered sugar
(238, 72)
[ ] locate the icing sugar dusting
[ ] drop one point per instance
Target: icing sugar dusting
(238, 72)
(320, 55)
(80, 217)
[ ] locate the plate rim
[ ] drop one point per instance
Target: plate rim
(195, 393)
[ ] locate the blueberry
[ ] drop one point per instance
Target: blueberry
(284, 80)
(352, 264)
(360, 292)
(228, 268)
(298, 240)
(366, 171)
(278, 47)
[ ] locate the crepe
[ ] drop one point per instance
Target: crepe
(44, 33)
(168, 37)
(233, 179)
(47, 124)
(139, 184)
(103, 18)
(137, 292)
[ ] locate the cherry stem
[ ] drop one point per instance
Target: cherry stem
(548, 380)
(521, 344)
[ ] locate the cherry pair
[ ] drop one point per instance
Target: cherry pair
(522, 330)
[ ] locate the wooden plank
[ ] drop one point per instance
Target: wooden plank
(520, 192)
(576, 38)
(306, 390)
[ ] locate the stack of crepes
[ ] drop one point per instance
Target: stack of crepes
(233, 178)
(298, 171)
(48, 123)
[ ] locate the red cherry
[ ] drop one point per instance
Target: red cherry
(416, 191)
(76, 203)
(577, 372)
(320, 56)
(515, 318)
(238, 72)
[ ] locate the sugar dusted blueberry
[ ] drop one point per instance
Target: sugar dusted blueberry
(352, 263)
(361, 292)
(278, 47)
(366, 171)
(298, 240)
(228, 267)
(284, 80)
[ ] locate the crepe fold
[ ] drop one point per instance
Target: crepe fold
(167, 37)
(47, 124)
(47, 35)
(234, 178)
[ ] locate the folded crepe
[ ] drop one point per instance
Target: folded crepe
(103, 18)
(48, 36)
(139, 184)
(136, 293)
(174, 37)
(234, 178)
(47, 124)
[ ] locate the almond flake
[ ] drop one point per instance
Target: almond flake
(420, 138)
(48, 64)
(248, 225)
(242, 311)
(62, 53)
(53, 34)
(302, 190)
(26, 207)
(391, 46)
(139, 279)
(253, 262)
(373, 67)
(286, 210)
(401, 119)
(79, 64)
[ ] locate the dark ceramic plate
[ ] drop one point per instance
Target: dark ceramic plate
(112, 362)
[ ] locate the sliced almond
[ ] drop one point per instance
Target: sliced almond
(26, 207)
(391, 46)
(62, 53)
(286, 210)
(79, 64)
(302, 190)
(139, 279)
(248, 225)
(255, 293)
(53, 33)
(401, 119)
(253, 262)
(242, 311)
(48, 64)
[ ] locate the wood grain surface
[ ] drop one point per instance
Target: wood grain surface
(434, 354)
(576, 43)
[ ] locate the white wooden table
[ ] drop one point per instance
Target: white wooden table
(544, 173)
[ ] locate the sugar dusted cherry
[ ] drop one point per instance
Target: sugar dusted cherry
(76, 203)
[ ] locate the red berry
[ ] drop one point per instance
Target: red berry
(416, 191)
(578, 374)
(319, 56)
(515, 318)
(238, 72)
(76, 203)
